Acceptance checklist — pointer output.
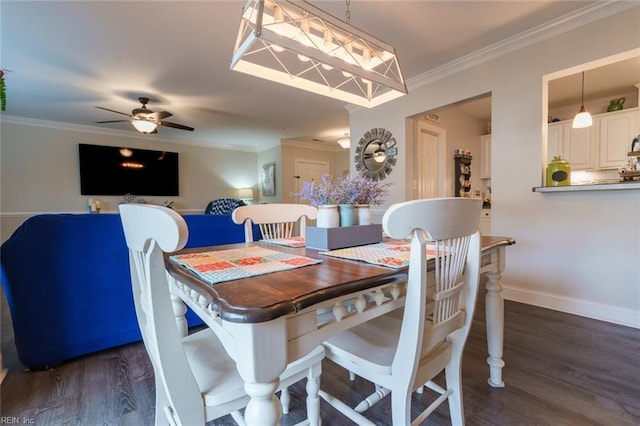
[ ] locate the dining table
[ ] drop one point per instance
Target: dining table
(269, 317)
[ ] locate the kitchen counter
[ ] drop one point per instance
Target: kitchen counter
(589, 187)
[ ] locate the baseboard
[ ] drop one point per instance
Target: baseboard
(613, 314)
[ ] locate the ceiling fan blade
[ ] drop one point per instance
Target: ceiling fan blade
(114, 121)
(111, 110)
(175, 125)
(159, 115)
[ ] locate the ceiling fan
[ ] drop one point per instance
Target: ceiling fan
(145, 120)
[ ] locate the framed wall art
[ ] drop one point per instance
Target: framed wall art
(269, 179)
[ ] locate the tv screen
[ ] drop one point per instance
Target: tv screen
(110, 170)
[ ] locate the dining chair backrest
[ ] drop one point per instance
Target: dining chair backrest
(446, 228)
(274, 220)
(149, 232)
(404, 350)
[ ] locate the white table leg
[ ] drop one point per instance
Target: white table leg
(260, 361)
(494, 305)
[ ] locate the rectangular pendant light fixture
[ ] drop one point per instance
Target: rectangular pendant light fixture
(298, 44)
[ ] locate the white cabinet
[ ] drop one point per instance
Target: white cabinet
(577, 146)
(485, 157)
(601, 146)
(615, 133)
(485, 222)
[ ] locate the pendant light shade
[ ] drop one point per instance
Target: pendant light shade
(583, 118)
(300, 45)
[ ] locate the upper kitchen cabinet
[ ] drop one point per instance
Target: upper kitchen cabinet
(616, 130)
(600, 147)
(577, 146)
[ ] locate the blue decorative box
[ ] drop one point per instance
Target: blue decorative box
(344, 236)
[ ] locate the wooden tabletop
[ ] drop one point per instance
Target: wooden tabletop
(266, 297)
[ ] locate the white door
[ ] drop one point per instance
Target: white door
(308, 171)
(430, 154)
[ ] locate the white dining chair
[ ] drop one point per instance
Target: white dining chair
(274, 220)
(405, 349)
(196, 380)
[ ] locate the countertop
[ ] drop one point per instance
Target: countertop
(589, 187)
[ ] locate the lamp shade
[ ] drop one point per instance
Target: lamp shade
(300, 45)
(245, 194)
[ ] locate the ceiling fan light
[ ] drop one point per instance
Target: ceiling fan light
(344, 143)
(144, 126)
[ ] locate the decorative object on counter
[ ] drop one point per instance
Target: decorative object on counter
(631, 171)
(635, 144)
(583, 118)
(558, 172)
(616, 105)
(168, 204)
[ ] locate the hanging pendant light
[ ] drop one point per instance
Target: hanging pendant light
(583, 118)
(300, 45)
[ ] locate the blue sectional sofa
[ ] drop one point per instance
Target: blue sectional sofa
(66, 279)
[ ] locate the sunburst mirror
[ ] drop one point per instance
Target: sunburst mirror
(376, 154)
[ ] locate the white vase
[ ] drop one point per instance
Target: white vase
(363, 214)
(328, 216)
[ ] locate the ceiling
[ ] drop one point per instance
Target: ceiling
(64, 58)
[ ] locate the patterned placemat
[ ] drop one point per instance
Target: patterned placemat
(226, 265)
(288, 242)
(394, 253)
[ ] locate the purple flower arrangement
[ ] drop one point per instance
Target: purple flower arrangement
(348, 190)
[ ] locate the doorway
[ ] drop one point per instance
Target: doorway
(430, 154)
(308, 171)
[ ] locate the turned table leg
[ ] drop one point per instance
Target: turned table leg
(494, 305)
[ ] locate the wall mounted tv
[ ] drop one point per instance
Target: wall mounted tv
(110, 170)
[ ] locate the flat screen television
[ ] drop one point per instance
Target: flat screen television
(110, 170)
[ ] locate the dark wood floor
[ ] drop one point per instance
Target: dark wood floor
(560, 370)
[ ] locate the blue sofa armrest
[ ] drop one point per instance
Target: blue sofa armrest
(67, 283)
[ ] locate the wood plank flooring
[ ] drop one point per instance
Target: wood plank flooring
(560, 370)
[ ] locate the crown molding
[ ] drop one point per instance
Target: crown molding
(584, 16)
(59, 125)
(320, 146)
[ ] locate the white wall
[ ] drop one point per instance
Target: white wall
(576, 252)
(40, 172)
